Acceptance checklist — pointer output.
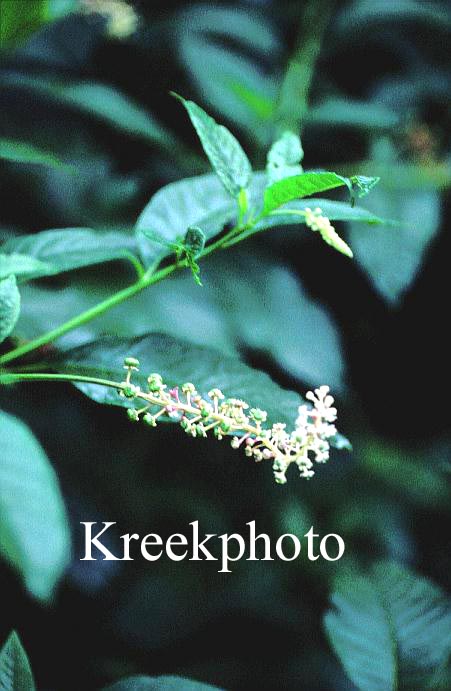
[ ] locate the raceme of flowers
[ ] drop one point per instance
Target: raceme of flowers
(231, 417)
(315, 220)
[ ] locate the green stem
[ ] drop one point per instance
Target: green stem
(144, 281)
(14, 378)
(294, 92)
(90, 314)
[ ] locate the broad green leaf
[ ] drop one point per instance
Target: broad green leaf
(223, 150)
(420, 613)
(298, 186)
(102, 102)
(9, 306)
(18, 20)
(34, 531)
(293, 213)
(71, 248)
(15, 671)
(177, 361)
(392, 258)
(346, 112)
(232, 85)
(198, 201)
(110, 105)
(275, 316)
(406, 472)
(22, 265)
(22, 152)
(284, 158)
(391, 628)
(359, 631)
(164, 683)
(366, 12)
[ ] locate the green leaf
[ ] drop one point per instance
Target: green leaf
(233, 85)
(365, 12)
(390, 628)
(359, 632)
(284, 158)
(22, 152)
(22, 265)
(19, 20)
(110, 105)
(164, 683)
(298, 186)
(338, 112)
(223, 150)
(34, 532)
(15, 671)
(393, 257)
(9, 306)
(71, 248)
(177, 361)
(198, 201)
(294, 214)
(409, 474)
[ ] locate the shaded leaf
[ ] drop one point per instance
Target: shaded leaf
(198, 201)
(9, 306)
(177, 361)
(22, 265)
(71, 248)
(164, 683)
(390, 628)
(223, 150)
(359, 631)
(392, 258)
(15, 671)
(347, 112)
(34, 532)
(22, 152)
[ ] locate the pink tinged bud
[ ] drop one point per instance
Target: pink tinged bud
(174, 393)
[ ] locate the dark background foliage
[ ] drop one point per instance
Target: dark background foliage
(260, 627)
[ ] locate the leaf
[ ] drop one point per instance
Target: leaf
(359, 632)
(22, 152)
(298, 186)
(284, 158)
(15, 671)
(164, 683)
(19, 20)
(199, 201)
(365, 12)
(177, 361)
(233, 85)
(9, 306)
(412, 475)
(293, 213)
(34, 531)
(102, 102)
(71, 248)
(22, 265)
(340, 112)
(110, 105)
(391, 628)
(393, 257)
(223, 150)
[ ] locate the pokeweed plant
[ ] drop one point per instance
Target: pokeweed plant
(223, 210)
